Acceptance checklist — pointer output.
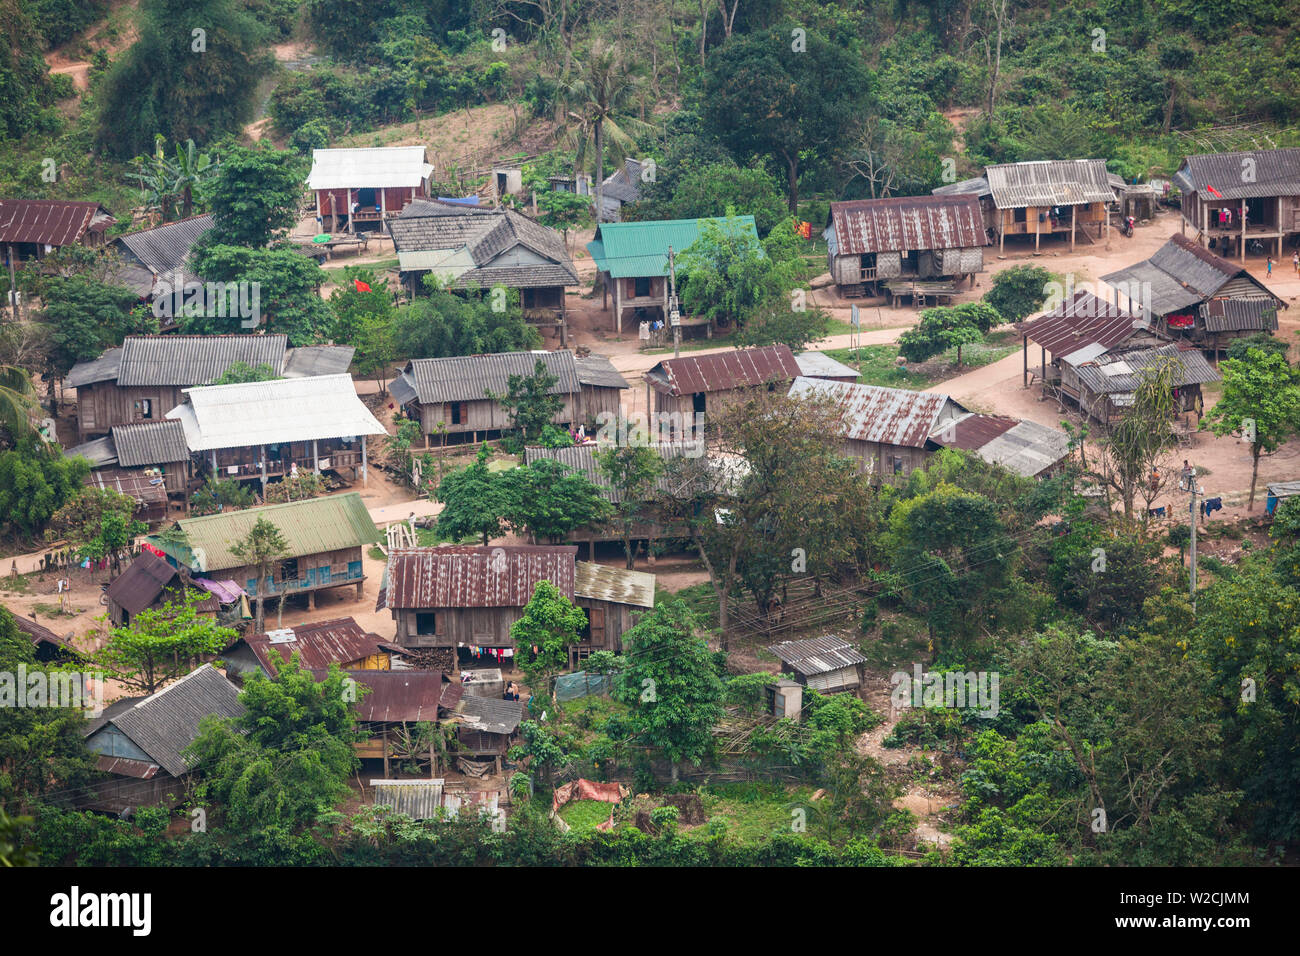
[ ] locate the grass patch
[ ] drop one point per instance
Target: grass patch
(376, 554)
(703, 602)
(54, 610)
(753, 812)
(584, 815)
(877, 364)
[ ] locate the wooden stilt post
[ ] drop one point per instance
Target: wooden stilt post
(365, 471)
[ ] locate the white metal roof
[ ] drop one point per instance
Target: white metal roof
(262, 413)
(821, 365)
(373, 167)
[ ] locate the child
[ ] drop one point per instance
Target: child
(1270, 265)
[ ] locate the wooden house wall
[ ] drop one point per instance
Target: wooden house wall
(118, 793)
(175, 475)
(104, 404)
(846, 270)
(1089, 213)
(484, 414)
(878, 457)
(597, 399)
(487, 626)
(342, 564)
(481, 743)
(618, 618)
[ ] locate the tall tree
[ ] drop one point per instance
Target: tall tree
(784, 95)
(161, 644)
(1138, 443)
(1261, 402)
(99, 523)
(262, 550)
(671, 685)
(598, 99)
(192, 74)
(472, 500)
(548, 500)
(632, 471)
(530, 401)
(551, 624)
(255, 196)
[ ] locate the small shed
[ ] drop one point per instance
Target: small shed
(48, 645)
(388, 704)
(1106, 383)
(150, 582)
(319, 644)
(1025, 448)
(359, 188)
(820, 365)
(614, 599)
(826, 664)
(487, 726)
(153, 450)
(1082, 320)
(1278, 492)
(140, 741)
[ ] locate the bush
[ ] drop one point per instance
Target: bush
(1019, 291)
(220, 494)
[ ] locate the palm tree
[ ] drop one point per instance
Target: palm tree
(191, 172)
(17, 401)
(599, 99)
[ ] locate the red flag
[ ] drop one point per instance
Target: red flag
(1212, 191)
(361, 286)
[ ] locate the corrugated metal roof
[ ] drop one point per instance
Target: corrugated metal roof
(317, 644)
(1251, 313)
(103, 369)
(1025, 448)
(908, 222)
(599, 370)
(630, 249)
(1284, 489)
(490, 715)
(51, 222)
(126, 767)
(1179, 275)
(266, 413)
(100, 452)
(165, 248)
(977, 186)
(1274, 172)
(467, 378)
(721, 371)
(150, 443)
(1079, 321)
(820, 365)
(890, 416)
(417, 799)
(142, 583)
(602, 582)
(310, 360)
(195, 359)
(1124, 371)
(308, 527)
(623, 184)
(453, 577)
(473, 246)
(39, 634)
(582, 458)
(369, 167)
(818, 655)
(1068, 182)
(408, 696)
(131, 483)
(166, 722)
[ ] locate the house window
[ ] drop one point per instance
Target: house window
(426, 622)
(642, 287)
(144, 408)
(898, 465)
(289, 570)
(1018, 215)
(457, 413)
(354, 569)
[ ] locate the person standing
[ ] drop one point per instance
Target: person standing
(1295, 261)
(1269, 264)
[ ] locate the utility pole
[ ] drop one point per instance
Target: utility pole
(674, 311)
(1188, 484)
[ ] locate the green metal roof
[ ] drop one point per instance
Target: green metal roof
(631, 249)
(308, 527)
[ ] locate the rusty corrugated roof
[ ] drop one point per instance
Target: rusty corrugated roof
(475, 576)
(51, 222)
(410, 696)
(724, 370)
(908, 222)
(974, 431)
(1083, 320)
(890, 416)
(319, 644)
